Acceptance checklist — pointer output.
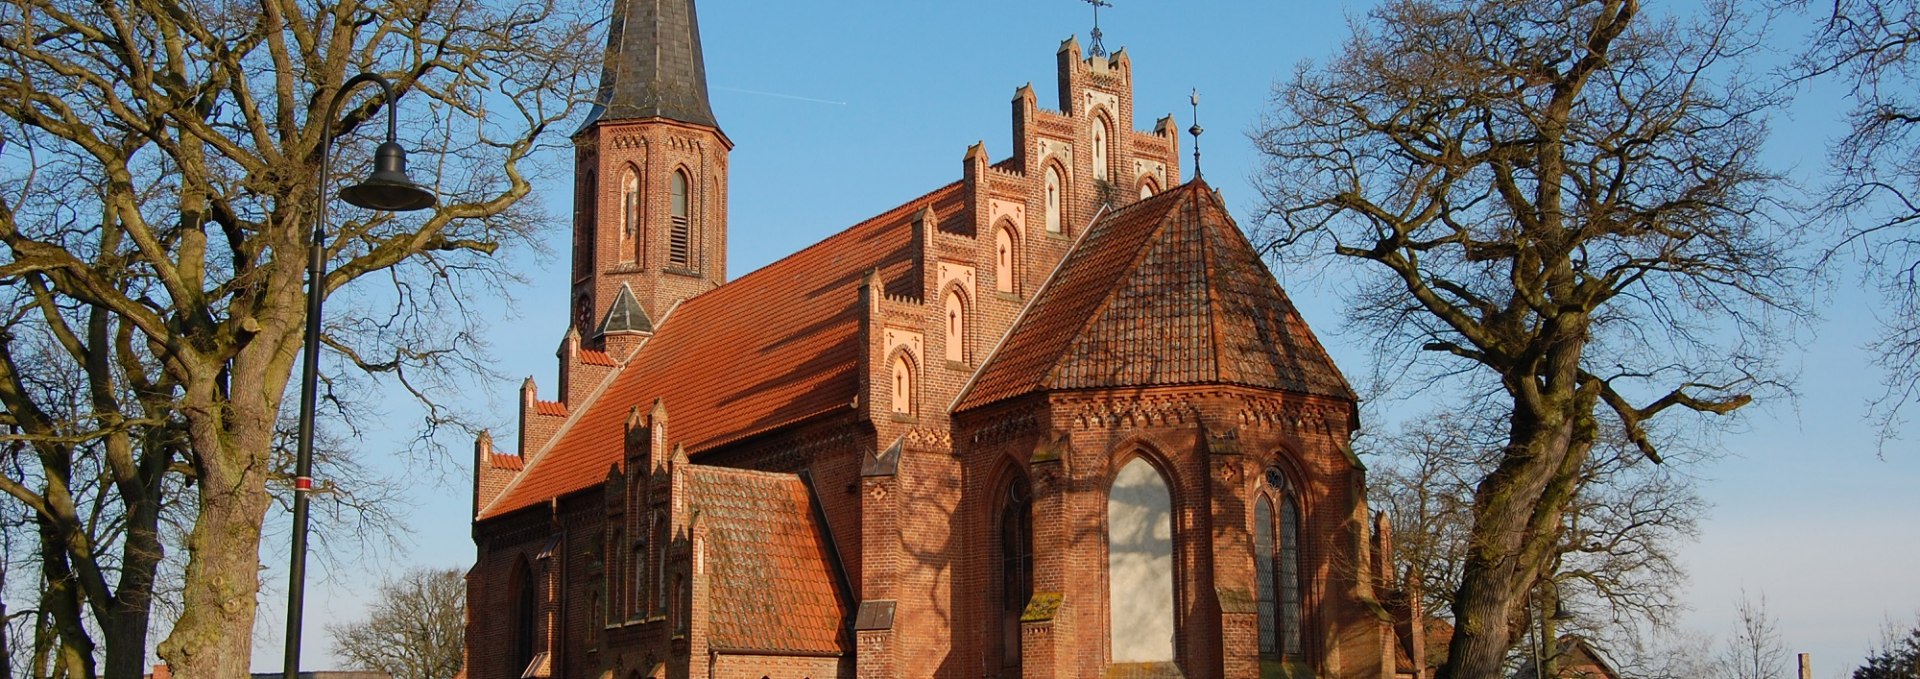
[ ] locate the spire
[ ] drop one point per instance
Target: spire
(653, 66)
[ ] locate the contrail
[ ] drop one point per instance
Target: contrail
(781, 96)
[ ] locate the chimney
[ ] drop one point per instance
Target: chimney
(1806, 666)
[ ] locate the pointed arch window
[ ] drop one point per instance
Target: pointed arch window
(589, 216)
(680, 229)
(956, 326)
(1147, 189)
(524, 609)
(641, 559)
(902, 369)
(1016, 569)
(1276, 554)
(1099, 148)
(629, 214)
(1055, 198)
(1003, 259)
(1140, 564)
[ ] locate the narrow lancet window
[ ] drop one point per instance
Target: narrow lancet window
(956, 327)
(902, 384)
(1100, 149)
(680, 231)
(1054, 200)
(1003, 255)
(629, 215)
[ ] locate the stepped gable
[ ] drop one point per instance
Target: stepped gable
(1166, 291)
(771, 348)
(774, 587)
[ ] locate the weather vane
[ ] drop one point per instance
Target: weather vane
(1098, 49)
(1195, 131)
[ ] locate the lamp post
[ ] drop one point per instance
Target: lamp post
(388, 189)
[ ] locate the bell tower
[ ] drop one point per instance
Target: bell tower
(650, 207)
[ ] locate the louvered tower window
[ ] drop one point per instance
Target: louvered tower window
(680, 231)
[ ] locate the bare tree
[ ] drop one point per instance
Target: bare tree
(1615, 571)
(1754, 649)
(1562, 198)
(1874, 47)
(163, 162)
(415, 630)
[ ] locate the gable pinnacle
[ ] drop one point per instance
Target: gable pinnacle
(653, 66)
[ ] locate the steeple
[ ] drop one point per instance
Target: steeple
(653, 68)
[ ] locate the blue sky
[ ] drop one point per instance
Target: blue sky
(840, 110)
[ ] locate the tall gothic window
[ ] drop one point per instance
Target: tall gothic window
(680, 231)
(1055, 199)
(659, 556)
(956, 326)
(1276, 554)
(520, 581)
(1003, 258)
(1016, 570)
(1100, 148)
(629, 214)
(588, 207)
(1140, 564)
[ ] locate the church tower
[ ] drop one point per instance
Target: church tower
(650, 209)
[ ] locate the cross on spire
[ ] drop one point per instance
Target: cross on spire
(1195, 131)
(1098, 49)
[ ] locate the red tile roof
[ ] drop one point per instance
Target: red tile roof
(773, 347)
(554, 408)
(774, 587)
(503, 461)
(1162, 292)
(596, 357)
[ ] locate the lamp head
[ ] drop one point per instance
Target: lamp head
(388, 188)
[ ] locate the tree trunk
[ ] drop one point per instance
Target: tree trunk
(230, 439)
(1517, 519)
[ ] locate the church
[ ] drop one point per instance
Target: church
(1053, 419)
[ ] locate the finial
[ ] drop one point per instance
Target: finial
(1097, 49)
(1195, 131)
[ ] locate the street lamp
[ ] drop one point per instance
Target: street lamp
(387, 189)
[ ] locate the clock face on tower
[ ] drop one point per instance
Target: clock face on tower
(582, 313)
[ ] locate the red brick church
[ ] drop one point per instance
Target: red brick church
(1054, 419)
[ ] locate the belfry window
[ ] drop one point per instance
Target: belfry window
(1099, 149)
(1140, 564)
(1003, 258)
(629, 214)
(956, 327)
(1054, 199)
(680, 230)
(1276, 554)
(588, 202)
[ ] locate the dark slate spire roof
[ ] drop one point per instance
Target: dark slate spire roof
(1166, 291)
(626, 315)
(653, 68)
